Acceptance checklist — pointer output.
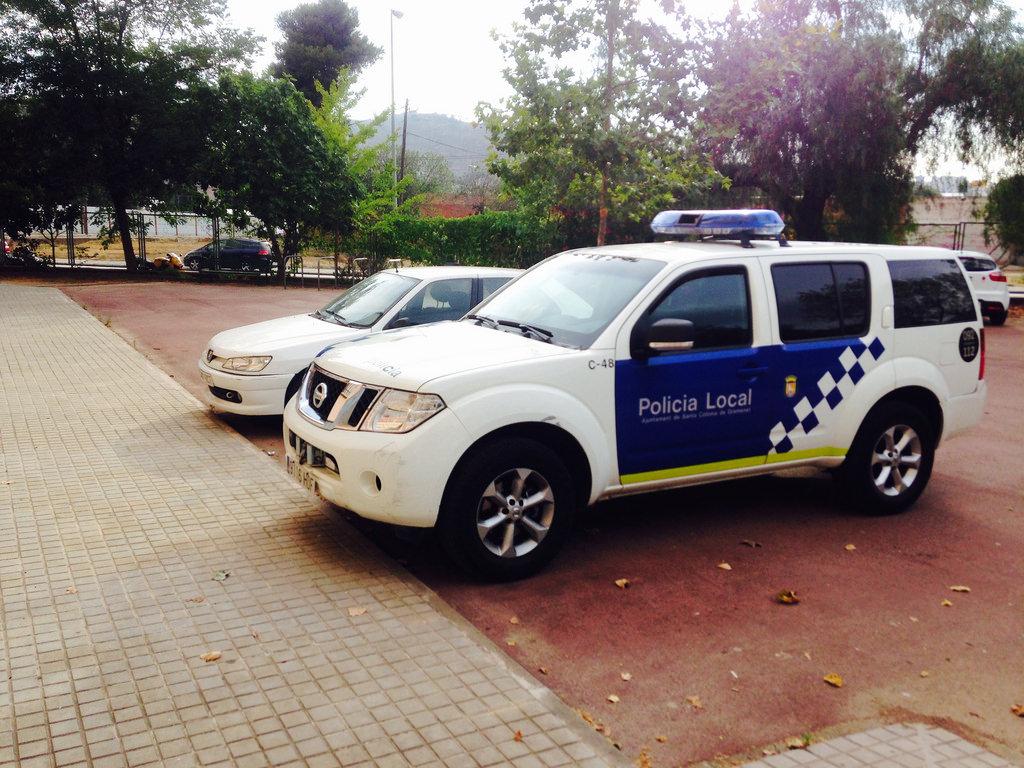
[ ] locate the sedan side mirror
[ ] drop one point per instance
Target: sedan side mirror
(399, 322)
(665, 335)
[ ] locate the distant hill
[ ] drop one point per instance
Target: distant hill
(462, 144)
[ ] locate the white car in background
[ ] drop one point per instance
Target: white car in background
(255, 369)
(989, 284)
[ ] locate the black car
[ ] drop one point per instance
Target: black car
(237, 253)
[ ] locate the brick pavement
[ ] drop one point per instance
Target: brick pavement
(895, 746)
(120, 500)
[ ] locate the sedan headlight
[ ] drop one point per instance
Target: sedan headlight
(398, 411)
(247, 364)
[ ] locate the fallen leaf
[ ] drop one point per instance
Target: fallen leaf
(622, 583)
(255, 633)
(613, 698)
(767, 751)
(787, 597)
(1018, 710)
(197, 599)
(587, 717)
(724, 567)
(517, 736)
(807, 655)
(510, 643)
(695, 702)
(72, 590)
(356, 610)
(924, 673)
(643, 760)
(210, 656)
(542, 670)
(514, 620)
(833, 679)
(221, 575)
(946, 603)
(796, 742)
(960, 588)
(626, 676)
(913, 619)
(661, 739)
(751, 544)
(850, 547)
(271, 453)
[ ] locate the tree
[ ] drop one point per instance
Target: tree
(271, 161)
(823, 104)
(320, 40)
(1004, 212)
(120, 87)
(584, 131)
(427, 174)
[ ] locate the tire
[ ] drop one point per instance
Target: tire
(997, 316)
(293, 386)
(518, 469)
(879, 476)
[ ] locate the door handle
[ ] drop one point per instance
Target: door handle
(752, 372)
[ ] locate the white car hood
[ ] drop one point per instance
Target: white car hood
(292, 341)
(410, 358)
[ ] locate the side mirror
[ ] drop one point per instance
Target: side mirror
(665, 335)
(399, 322)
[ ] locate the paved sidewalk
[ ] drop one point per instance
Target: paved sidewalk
(138, 535)
(894, 746)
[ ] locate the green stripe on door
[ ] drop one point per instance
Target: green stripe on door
(721, 466)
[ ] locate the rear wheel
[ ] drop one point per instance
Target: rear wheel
(507, 509)
(997, 316)
(890, 461)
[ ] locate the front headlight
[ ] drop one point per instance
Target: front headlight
(247, 364)
(398, 411)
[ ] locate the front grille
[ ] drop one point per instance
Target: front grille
(333, 402)
(321, 382)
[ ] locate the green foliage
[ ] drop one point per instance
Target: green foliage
(320, 39)
(824, 104)
(116, 89)
(492, 238)
(589, 137)
(1004, 213)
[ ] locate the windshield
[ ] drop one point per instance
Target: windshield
(366, 302)
(570, 299)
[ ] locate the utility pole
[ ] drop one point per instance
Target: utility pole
(405, 126)
(394, 148)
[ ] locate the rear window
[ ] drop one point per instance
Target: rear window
(978, 264)
(930, 292)
(821, 300)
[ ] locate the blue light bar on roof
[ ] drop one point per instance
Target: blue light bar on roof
(741, 224)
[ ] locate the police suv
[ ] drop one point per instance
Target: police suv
(632, 368)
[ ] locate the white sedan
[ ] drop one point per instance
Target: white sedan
(255, 369)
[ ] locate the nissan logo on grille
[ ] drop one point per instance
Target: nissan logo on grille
(319, 394)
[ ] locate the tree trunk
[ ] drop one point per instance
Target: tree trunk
(275, 248)
(809, 213)
(602, 209)
(124, 229)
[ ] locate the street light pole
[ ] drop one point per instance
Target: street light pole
(394, 145)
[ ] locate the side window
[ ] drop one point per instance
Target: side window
(718, 305)
(436, 301)
(930, 292)
(821, 300)
(491, 284)
(978, 264)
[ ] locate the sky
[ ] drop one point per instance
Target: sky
(445, 57)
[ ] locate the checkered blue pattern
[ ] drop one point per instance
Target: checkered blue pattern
(832, 388)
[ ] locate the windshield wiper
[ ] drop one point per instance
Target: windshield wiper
(541, 334)
(337, 318)
(490, 322)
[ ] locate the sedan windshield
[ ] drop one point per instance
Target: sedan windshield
(366, 302)
(569, 299)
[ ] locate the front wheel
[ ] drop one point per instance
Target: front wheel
(507, 510)
(890, 461)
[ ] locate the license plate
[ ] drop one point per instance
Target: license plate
(303, 475)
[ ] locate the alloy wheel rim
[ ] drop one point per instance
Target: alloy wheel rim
(896, 460)
(515, 512)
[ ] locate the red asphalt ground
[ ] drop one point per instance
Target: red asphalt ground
(686, 628)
